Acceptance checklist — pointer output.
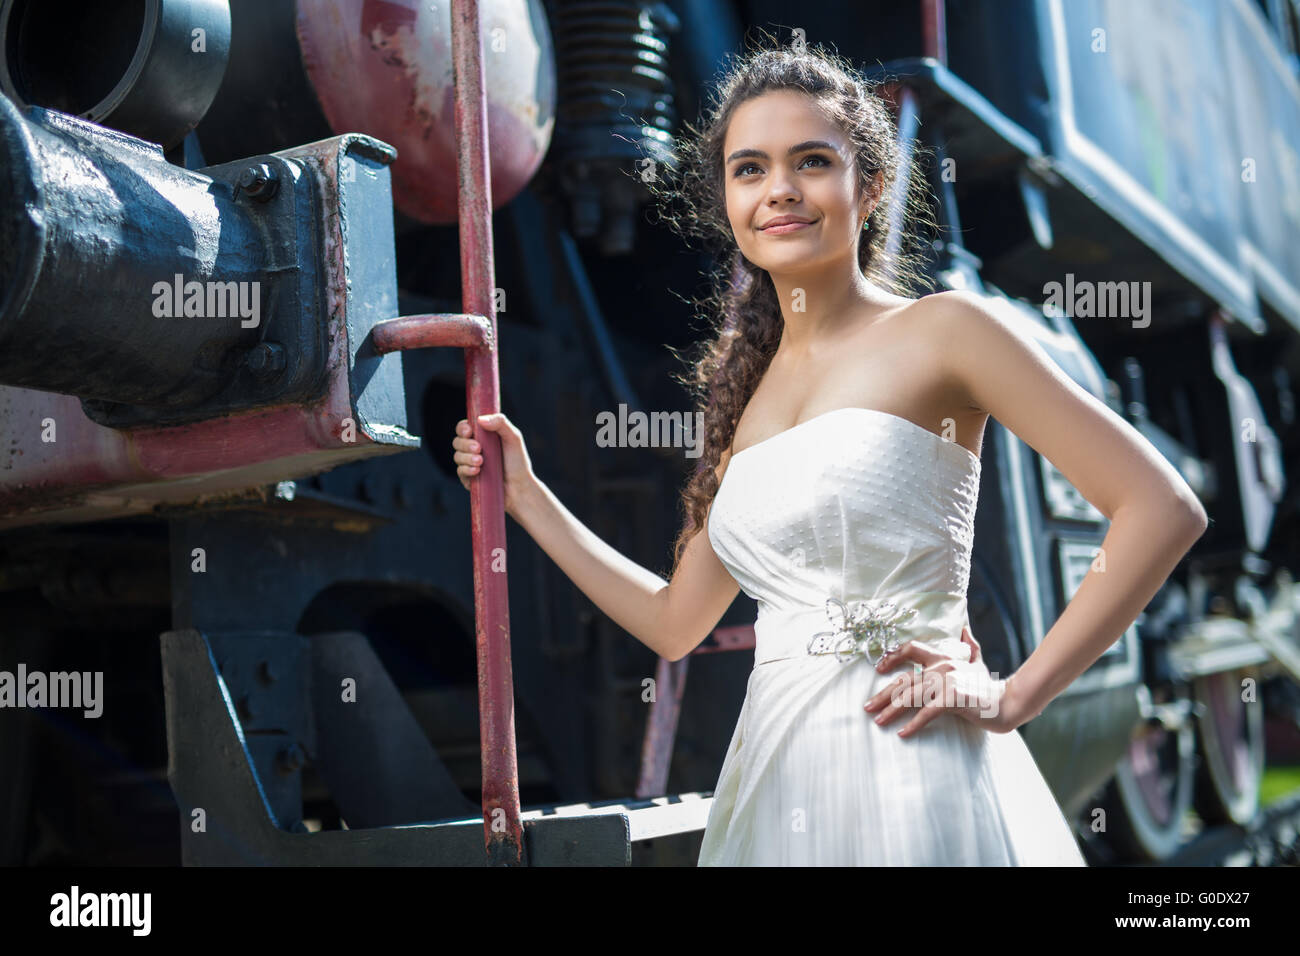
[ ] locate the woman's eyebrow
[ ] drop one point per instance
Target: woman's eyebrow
(796, 148)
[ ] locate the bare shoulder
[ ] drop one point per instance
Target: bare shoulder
(971, 332)
(933, 322)
(992, 353)
(933, 318)
(959, 312)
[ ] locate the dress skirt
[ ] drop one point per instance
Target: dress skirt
(809, 779)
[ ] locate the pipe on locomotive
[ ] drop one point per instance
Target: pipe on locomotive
(150, 68)
(97, 233)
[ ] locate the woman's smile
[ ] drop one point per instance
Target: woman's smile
(787, 227)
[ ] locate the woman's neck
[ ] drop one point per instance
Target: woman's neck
(817, 312)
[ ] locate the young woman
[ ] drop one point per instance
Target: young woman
(837, 486)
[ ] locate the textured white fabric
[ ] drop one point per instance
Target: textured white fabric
(858, 504)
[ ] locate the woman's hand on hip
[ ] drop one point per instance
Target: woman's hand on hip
(942, 685)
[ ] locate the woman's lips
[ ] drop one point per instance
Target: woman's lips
(787, 227)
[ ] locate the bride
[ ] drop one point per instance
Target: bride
(843, 421)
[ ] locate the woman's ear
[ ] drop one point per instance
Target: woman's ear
(874, 188)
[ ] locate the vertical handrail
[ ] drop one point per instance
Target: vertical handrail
(502, 827)
(475, 331)
(934, 31)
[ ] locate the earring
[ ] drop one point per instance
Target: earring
(864, 222)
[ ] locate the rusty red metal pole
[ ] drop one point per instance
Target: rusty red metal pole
(502, 827)
(934, 31)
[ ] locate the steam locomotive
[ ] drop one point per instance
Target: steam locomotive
(222, 493)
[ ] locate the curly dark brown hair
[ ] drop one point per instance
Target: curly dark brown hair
(745, 321)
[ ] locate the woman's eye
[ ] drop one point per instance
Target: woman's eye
(820, 159)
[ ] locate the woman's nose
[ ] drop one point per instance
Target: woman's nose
(780, 185)
(781, 188)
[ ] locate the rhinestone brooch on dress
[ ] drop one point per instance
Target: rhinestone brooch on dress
(868, 628)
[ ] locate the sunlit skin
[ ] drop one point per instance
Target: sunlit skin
(819, 181)
(945, 362)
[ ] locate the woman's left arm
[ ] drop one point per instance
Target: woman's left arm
(1155, 517)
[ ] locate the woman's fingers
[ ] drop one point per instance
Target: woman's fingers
(913, 651)
(461, 443)
(906, 693)
(467, 462)
(467, 453)
(966, 689)
(888, 694)
(922, 718)
(920, 691)
(941, 664)
(929, 661)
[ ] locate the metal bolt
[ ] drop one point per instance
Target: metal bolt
(260, 182)
(265, 359)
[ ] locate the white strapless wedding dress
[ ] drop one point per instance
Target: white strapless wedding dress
(861, 505)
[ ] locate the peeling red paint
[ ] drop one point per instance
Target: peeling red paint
(385, 16)
(384, 67)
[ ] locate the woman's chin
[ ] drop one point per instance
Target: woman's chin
(789, 263)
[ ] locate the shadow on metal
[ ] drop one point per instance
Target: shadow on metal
(227, 820)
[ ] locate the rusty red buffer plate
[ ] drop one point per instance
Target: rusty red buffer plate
(60, 466)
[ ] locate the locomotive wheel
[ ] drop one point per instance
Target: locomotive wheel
(1230, 741)
(1152, 791)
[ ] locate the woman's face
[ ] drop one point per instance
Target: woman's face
(816, 182)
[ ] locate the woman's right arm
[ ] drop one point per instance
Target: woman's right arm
(669, 617)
